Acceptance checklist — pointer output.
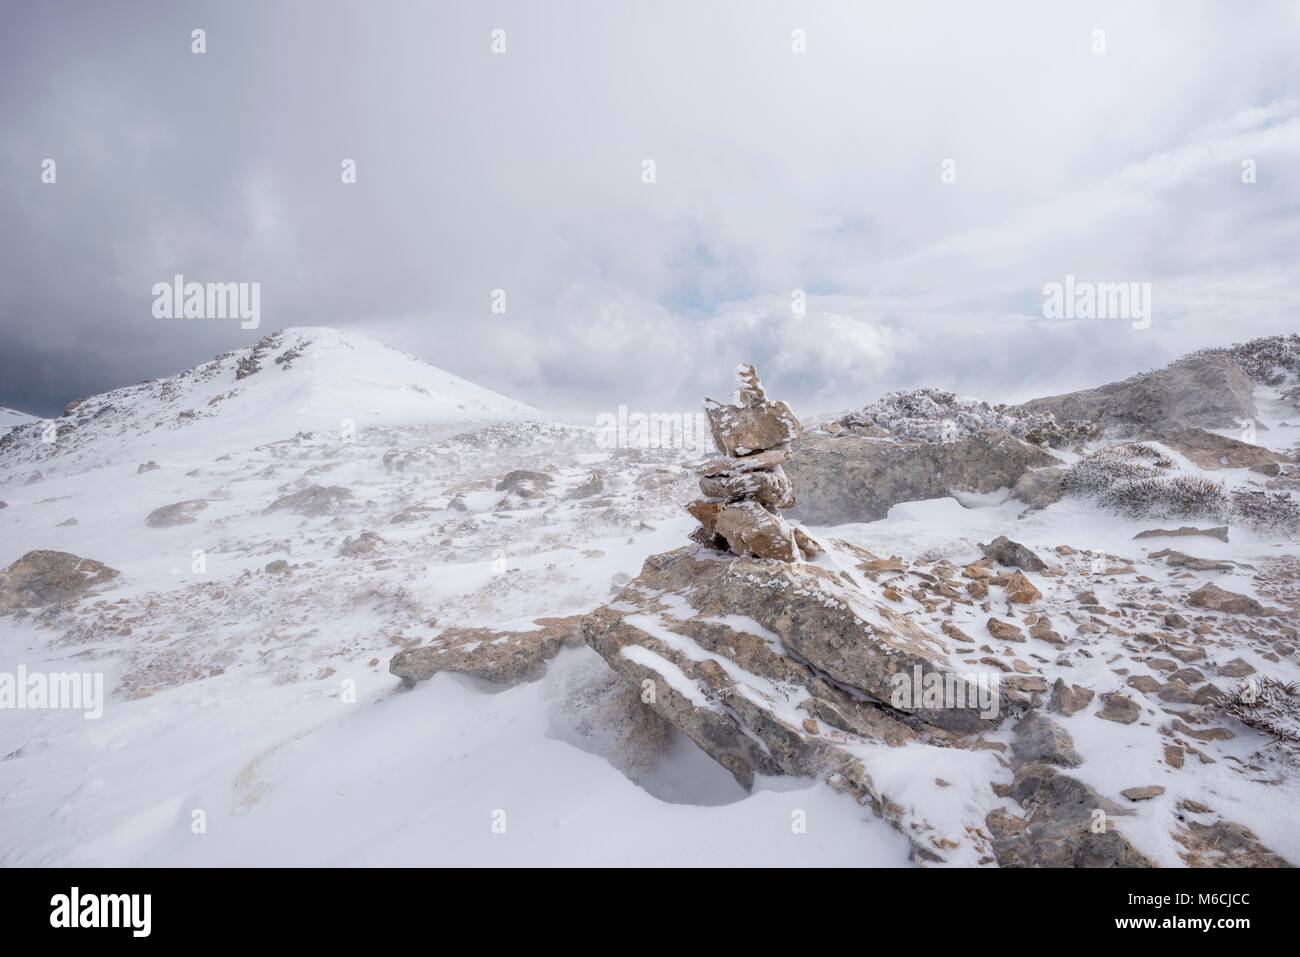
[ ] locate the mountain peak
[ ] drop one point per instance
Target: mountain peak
(299, 379)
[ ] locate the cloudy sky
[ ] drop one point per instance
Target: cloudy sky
(775, 171)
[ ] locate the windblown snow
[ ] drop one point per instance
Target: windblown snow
(285, 518)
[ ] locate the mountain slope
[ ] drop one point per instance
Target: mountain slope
(298, 380)
(12, 418)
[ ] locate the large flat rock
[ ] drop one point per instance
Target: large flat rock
(784, 668)
(1207, 392)
(856, 478)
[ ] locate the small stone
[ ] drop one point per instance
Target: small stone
(1236, 668)
(1203, 734)
(1213, 597)
(1004, 631)
(955, 633)
(1144, 793)
(1021, 590)
(1144, 683)
(1006, 552)
(1042, 630)
(1069, 699)
(1120, 708)
(1040, 739)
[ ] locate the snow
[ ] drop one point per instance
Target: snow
(12, 418)
(261, 704)
(325, 381)
(248, 702)
(287, 776)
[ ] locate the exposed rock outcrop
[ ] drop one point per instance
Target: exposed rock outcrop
(787, 667)
(1208, 450)
(1068, 824)
(1209, 391)
(45, 577)
(504, 657)
(855, 478)
(312, 501)
(178, 513)
(1213, 597)
(1006, 552)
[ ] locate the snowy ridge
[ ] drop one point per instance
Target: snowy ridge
(298, 380)
(12, 418)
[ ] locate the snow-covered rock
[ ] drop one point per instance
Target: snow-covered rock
(1209, 391)
(853, 478)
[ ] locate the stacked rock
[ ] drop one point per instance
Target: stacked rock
(746, 489)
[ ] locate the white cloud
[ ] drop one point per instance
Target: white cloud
(776, 171)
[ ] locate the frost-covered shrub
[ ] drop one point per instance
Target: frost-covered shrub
(1178, 496)
(1268, 705)
(1133, 480)
(1265, 511)
(1110, 466)
(936, 415)
(1271, 360)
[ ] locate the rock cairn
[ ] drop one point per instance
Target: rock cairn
(745, 489)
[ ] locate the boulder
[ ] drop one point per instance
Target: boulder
(1224, 843)
(1021, 590)
(1119, 708)
(1006, 552)
(1213, 597)
(1200, 392)
(790, 668)
(1177, 559)
(1004, 631)
(1220, 532)
(751, 531)
(1039, 488)
(1069, 699)
(839, 653)
(312, 501)
(854, 478)
(45, 577)
(1061, 828)
(594, 485)
(178, 513)
(751, 423)
(364, 544)
(1039, 738)
(524, 483)
(503, 657)
(771, 489)
(1209, 450)
(1145, 793)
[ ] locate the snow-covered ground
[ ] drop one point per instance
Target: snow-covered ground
(11, 418)
(257, 703)
(264, 701)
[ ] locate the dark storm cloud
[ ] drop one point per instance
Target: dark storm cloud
(522, 171)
